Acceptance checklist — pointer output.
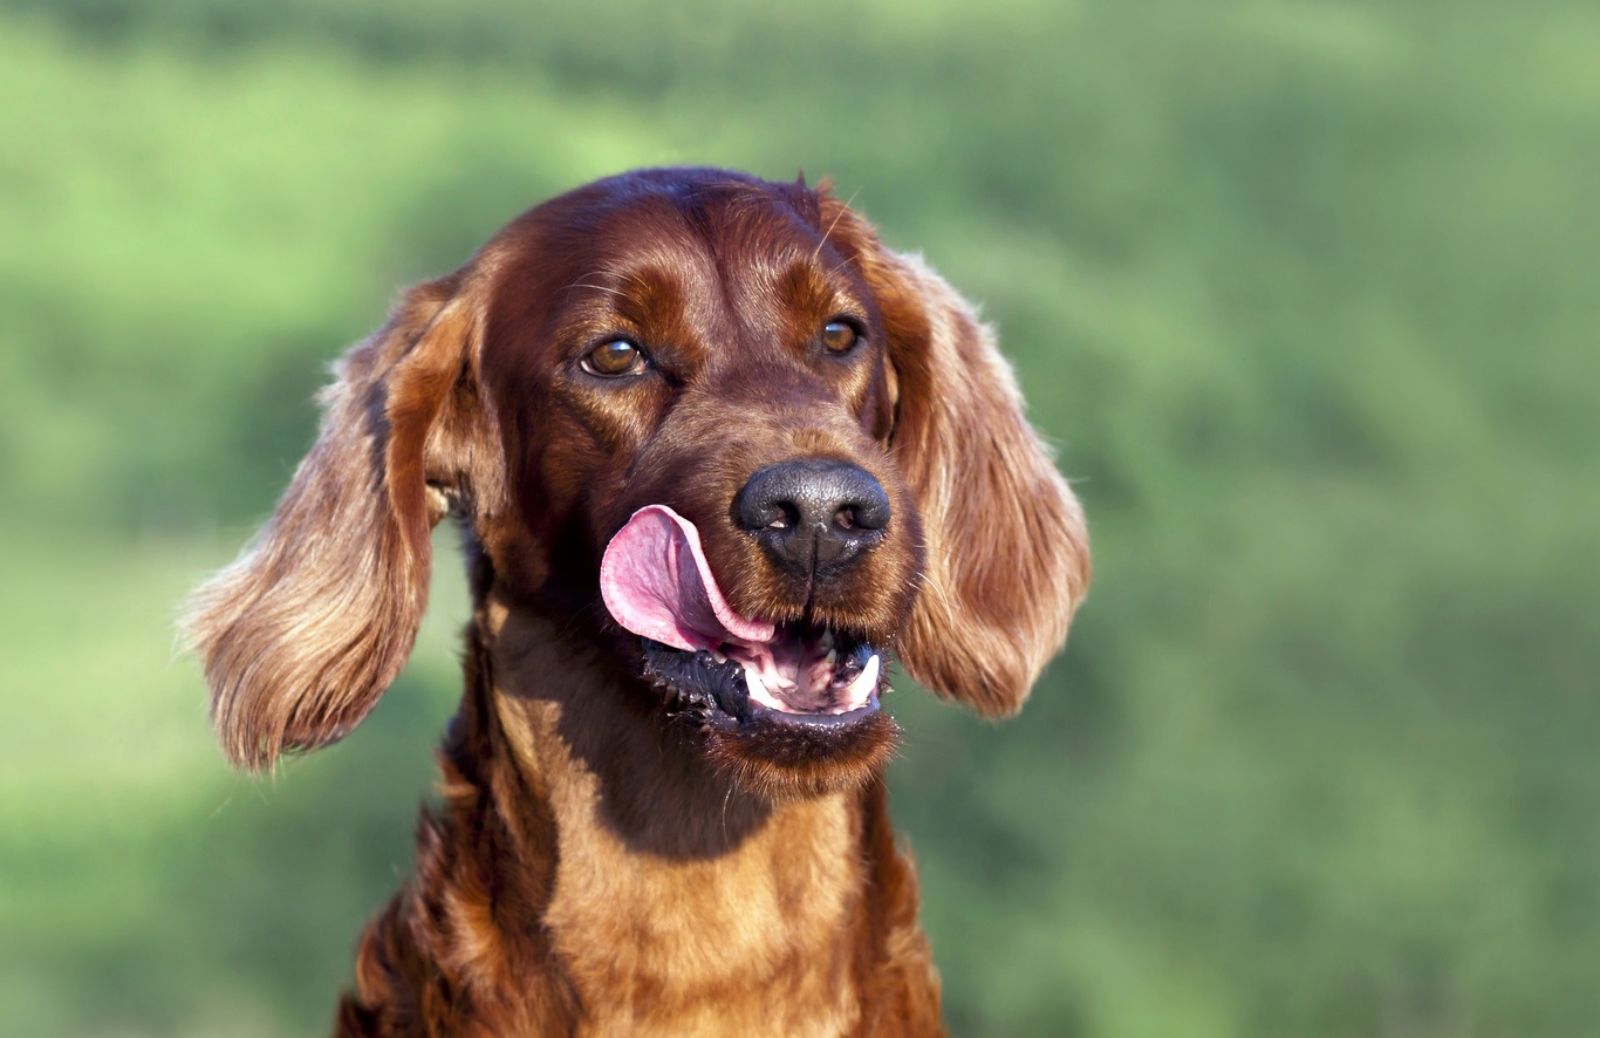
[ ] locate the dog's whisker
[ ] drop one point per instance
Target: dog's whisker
(835, 223)
(597, 288)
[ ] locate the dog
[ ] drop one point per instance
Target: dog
(717, 456)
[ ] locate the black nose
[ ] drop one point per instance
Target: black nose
(814, 516)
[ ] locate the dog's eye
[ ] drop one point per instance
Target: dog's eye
(839, 336)
(614, 359)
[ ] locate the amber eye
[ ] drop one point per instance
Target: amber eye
(614, 359)
(839, 336)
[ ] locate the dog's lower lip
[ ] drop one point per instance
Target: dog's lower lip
(760, 716)
(830, 721)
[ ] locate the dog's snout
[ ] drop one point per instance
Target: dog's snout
(814, 516)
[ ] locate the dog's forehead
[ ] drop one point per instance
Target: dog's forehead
(740, 242)
(710, 269)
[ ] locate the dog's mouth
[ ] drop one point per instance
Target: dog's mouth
(806, 680)
(719, 666)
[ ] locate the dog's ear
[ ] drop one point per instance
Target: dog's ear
(302, 634)
(1007, 553)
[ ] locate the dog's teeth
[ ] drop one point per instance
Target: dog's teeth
(832, 658)
(865, 683)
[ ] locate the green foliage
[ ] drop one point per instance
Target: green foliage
(1305, 292)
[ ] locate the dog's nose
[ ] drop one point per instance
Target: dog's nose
(814, 516)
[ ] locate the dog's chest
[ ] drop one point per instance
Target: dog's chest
(755, 941)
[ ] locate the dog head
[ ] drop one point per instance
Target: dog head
(717, 429)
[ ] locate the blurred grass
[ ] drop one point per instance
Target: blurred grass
(1304, 291)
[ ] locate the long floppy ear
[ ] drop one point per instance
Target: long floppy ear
(1007, 553)
(302, 634)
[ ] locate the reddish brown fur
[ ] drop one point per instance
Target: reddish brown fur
(596, 868)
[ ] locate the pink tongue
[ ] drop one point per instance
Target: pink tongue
(656, 583)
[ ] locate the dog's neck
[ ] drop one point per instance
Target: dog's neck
(668, 889)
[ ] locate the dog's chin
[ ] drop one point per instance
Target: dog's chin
(827, 735)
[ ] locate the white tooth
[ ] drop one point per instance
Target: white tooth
(757, 688)
(832, 658)
(866, 683)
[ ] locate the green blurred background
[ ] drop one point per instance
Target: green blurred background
(1306, 293)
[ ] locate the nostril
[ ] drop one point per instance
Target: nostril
(786, 516)
(871, 512)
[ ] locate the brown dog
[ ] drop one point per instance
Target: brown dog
(715, 452)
